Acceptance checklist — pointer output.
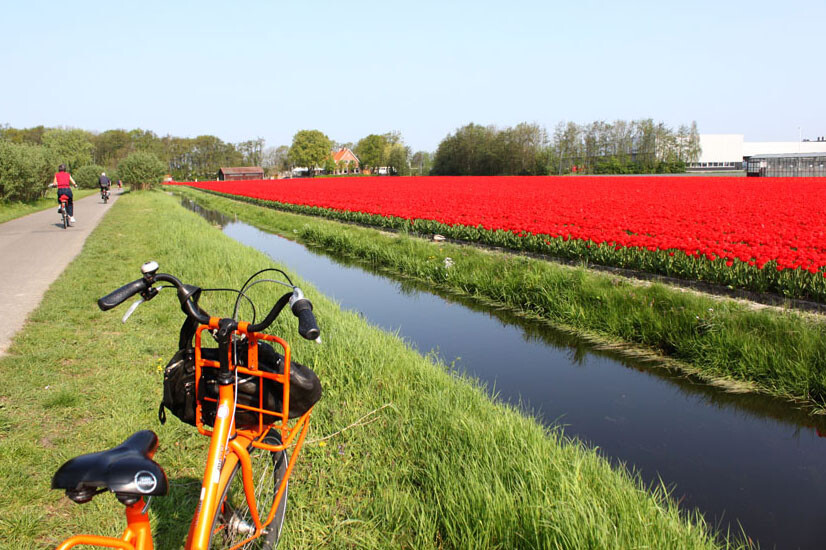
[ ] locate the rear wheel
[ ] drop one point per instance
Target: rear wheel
(233, 523)
(65, 218)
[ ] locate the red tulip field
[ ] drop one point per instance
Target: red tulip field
(761, 234)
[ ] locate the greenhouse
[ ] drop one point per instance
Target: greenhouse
(787, 165)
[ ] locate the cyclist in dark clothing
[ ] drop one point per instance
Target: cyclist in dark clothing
(63, 181)
(104, 183)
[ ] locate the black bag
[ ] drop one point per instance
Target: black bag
(179, 387)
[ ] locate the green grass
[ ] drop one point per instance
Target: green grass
(781, 353)
(13, 210)
(436, 464)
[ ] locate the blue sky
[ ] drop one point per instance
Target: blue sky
(246, 69)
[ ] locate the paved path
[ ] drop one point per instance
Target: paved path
(34, 250)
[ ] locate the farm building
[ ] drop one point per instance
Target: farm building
(788, 165)
(241, 173)
(729, 152)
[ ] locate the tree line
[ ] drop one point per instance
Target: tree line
(621, 147)
(312, 149)
(30, 156)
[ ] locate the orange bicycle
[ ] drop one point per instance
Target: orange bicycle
(239, 394)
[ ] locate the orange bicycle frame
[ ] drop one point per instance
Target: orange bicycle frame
(137, 536)
(228, 447)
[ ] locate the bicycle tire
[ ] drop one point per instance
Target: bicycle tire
(233, 521)
(65, 219)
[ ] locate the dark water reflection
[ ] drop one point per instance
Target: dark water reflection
(737, 458)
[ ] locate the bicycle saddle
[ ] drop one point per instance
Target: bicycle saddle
(126, 470)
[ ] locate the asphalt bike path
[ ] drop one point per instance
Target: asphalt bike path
(34, 251)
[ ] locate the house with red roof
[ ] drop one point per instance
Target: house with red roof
(346, 161)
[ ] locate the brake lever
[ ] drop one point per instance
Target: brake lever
(138, 302)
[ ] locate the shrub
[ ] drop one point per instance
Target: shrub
(87, 176)
(24, 171)
(141, 170)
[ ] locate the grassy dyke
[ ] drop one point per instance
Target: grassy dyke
(431, 462)
(747, 275)
(12, 210)
(778, 353)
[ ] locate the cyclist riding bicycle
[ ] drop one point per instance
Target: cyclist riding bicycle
(63, 181)
(105, 183)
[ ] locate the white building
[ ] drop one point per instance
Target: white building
(729, 151)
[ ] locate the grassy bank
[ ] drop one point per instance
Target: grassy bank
(13, 210)
(779, 353)
(435, 464)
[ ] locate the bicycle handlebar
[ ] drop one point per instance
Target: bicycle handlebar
(188, 297)
(122, 294)
(303, 309)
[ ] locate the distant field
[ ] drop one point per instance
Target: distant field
(766, 234)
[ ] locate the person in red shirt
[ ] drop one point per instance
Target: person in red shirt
(63, 181)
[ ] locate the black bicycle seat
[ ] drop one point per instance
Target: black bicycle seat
(126, 470)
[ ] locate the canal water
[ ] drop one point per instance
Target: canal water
(740, 459)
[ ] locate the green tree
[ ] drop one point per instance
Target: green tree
(329, 165)
(473, 150)
(141, 170)
(70, 147)
(146, 141)
(523, 150)
(421, 162)
(252, 151)
(370, 151)
(397, 160)
(276, 160)
(32, 136)
(87, 176)
(179, 158)
(310, 148)
(110, 147)
(25, 171)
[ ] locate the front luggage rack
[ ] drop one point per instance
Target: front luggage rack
(259, 431)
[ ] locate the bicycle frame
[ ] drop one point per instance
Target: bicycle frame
(228, 448)
(137, 536)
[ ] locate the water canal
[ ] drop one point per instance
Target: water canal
(740, 459)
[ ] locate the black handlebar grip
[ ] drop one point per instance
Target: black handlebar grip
(307, 326)
(122, 294)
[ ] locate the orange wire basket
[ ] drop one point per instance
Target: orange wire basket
(258, 432)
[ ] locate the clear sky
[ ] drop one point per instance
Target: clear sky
(245, 69)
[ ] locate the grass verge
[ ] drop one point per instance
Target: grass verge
(781, 353)
(435, 464)
(12, 210)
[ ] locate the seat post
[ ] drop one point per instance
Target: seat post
(138, 531)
